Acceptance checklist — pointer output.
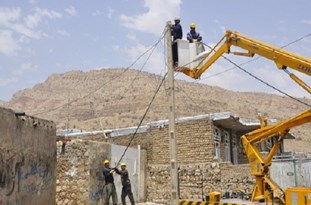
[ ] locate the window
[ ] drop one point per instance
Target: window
(234, 149)
(227, 147)
(217, 139)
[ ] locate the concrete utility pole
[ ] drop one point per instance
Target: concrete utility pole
(171, 119)
(68, 112)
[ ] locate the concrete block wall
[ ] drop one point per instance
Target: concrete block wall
(27, 159)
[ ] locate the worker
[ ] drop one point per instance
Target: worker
(126, 184)
(109, 188)
(177, 34)
(193, 36)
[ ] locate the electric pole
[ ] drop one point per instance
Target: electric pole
(171, 119)
(68, 112)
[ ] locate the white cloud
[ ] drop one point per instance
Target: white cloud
(131, 37)
(8, 46)
(71, 11)
(97, 13)
(21, 29)
(152, 20)
(25, 67)
(33, 20)
(6, 81)
(63, 33)
(10, 20)
(306, 21)
(110, 13)
(155, 63)
(7, 15)
(33, 1)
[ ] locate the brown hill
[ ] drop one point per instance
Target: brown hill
(112, 98)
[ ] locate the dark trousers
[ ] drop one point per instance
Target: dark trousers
(127, 191)
(175, 53)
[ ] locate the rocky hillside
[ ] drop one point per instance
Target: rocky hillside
(112, 98)
(2, 103)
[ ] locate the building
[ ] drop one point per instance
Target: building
(209, 152)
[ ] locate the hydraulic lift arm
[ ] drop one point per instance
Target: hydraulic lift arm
(259, 165)
(282, 58)
(264, 187)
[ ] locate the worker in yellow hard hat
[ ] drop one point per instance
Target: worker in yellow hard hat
(126, 184)
(193, 36)
(109, 188)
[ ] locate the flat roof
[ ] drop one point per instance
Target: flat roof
(227, 120)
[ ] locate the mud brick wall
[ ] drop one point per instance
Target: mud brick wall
(27, 159)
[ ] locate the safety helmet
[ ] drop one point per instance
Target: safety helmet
(106, 161)
(192, 25)
(177, 19)
(123, 164)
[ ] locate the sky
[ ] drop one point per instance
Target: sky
(42, 37)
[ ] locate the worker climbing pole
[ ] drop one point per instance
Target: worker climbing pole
(171, 128)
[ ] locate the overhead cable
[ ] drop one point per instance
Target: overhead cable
(112, 79)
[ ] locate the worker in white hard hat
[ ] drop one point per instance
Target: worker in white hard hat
(126, 184)
(177, 34)
(193, 36)
(109, 188)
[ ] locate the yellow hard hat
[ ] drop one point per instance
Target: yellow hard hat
(106, 161)
(123, 164)
(192, 25)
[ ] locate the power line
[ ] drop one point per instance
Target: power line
(271, 86)
(254, 59)
(142, 119)
(117, 76)
(259, 79)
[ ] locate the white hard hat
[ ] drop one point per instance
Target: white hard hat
(177, 19)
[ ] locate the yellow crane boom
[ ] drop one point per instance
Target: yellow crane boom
(283, 59)
(260, 165)
(264, 187)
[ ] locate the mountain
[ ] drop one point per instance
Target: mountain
(2, 103)
(114, 98)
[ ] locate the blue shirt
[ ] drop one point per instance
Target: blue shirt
(108, 175)
(193, 35)
(177, 31)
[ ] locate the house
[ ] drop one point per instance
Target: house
(210, 156)
(200, 139)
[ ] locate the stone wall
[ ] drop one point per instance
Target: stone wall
(27, 159)
(195, 153)
(194, 140)
(72, 173)
(197, 180)
(79, 172)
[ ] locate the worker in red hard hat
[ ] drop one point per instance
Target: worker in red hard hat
(126, 184)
